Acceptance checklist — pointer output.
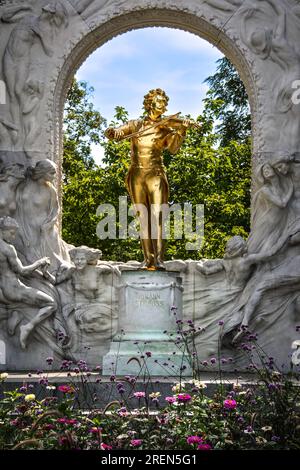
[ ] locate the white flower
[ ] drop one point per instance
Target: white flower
(236, 387)
(198, 384)
(154, 395)
(266, 428)
(50, 387)
(178, 387)
(260, 440)
(3, 376)
(30, 397)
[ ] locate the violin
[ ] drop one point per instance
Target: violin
(173, 121)
(176, 122)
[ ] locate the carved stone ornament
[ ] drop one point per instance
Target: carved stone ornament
(54, 300)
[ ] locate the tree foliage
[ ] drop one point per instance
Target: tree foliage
(211, 168)
(233, 111)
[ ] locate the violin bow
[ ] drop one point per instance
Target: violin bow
(153, 126)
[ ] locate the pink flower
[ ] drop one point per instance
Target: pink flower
(194, 440)
(184, 397)
(72, 421)
(136, 442)
(170, 399)
(139, 394)
(105, 447)
(63, 441)
(229, 404)
(62, 420)
(48, 427)
(65, 389)
(204, 446)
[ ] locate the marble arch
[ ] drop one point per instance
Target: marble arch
(42, 44)
(173, 18)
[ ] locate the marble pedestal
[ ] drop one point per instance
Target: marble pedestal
(150, 305)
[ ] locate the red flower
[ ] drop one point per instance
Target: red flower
(105, 447)
(65, 389)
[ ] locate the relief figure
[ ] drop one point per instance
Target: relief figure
(38, 214)
(11, 176)
(13, 289)
(29, 30)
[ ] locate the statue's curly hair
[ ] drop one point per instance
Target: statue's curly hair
(92, 255)
(151, 94)
(235, 246)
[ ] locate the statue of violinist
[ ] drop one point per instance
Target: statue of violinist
(146, 181)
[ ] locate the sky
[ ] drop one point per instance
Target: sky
(124, 69)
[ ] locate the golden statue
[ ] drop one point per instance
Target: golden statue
(146, 181)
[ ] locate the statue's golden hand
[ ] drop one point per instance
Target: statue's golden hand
(119, 134)
(187, 123)
(112, 133)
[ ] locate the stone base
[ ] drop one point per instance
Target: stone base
(157, 358)
(150, 306)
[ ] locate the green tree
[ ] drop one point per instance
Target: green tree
(233, 110)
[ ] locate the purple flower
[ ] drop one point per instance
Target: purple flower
(194, 440)
(229, 404)
(49, 360)
(139, 394)
(221, 323)
(48, 427)
(204, 446)
(213, 360)
(184, 397)
(136, 442)
(148, 353)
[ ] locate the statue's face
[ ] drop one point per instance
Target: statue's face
(50, 175)
(267, 171)
(9, 234)
(158, 106)
(282, 168)
(80, 261)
